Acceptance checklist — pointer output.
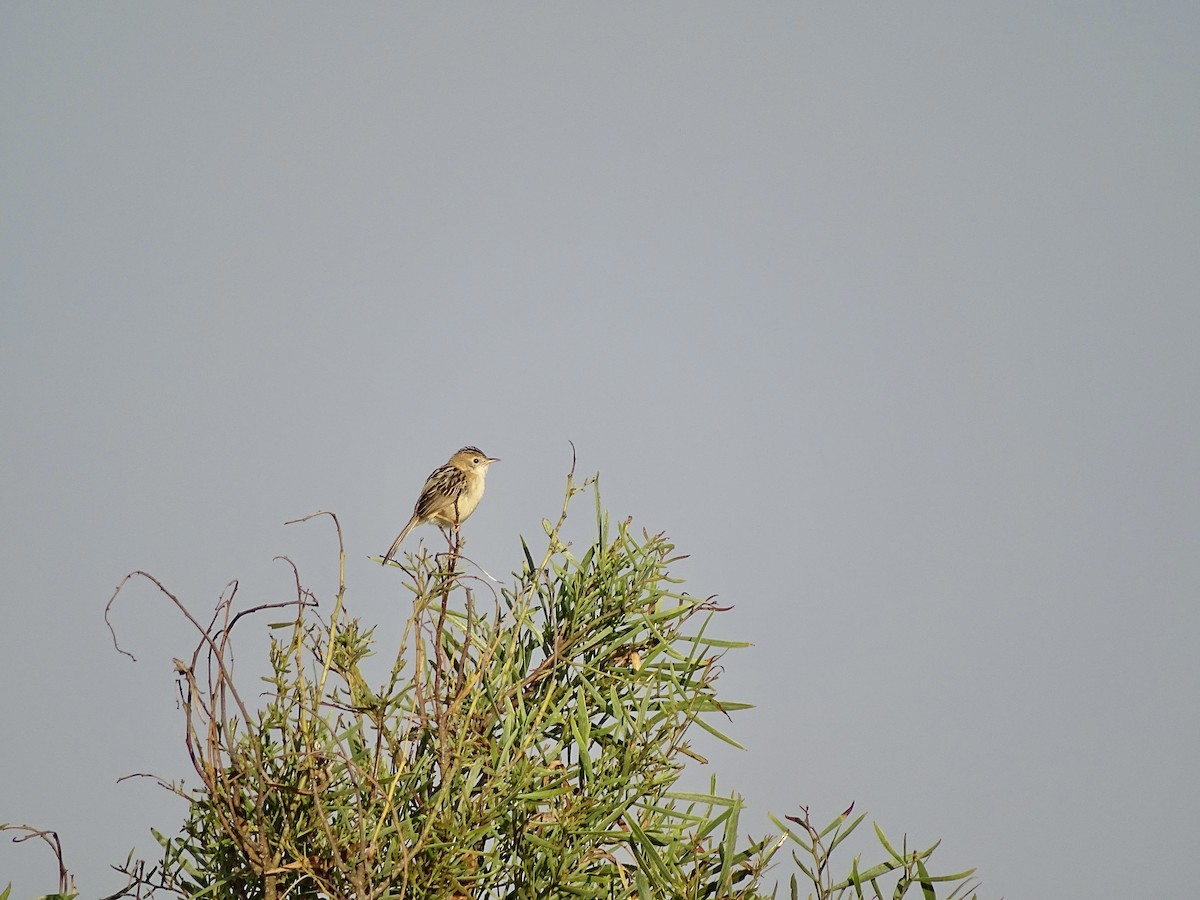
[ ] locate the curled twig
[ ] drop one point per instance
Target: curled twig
(66, 884)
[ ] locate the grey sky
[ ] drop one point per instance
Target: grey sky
(888, 313)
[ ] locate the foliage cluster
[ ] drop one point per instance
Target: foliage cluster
(527, 743)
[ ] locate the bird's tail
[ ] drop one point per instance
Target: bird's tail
(412, 523)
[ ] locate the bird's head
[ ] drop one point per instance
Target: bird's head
(472, 459)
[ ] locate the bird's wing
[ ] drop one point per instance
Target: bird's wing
(441, 489)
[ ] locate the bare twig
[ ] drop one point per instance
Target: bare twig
(66, 884)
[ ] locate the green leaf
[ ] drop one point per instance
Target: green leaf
(718, 733)
(926, 882)
(842, 835)
(899, 858)
(729, 845)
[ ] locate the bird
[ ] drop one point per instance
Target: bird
(450, 494)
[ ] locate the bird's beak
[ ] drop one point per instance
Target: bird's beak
(492, 459)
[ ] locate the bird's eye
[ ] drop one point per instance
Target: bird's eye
(477, 460)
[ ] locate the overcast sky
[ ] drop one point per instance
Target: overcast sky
(888, 313)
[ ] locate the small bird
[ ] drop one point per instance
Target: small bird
(450, 494)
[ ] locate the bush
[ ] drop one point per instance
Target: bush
(527, 743)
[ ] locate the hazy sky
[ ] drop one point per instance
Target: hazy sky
(888, 313)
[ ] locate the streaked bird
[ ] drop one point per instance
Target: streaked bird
(450, 494)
